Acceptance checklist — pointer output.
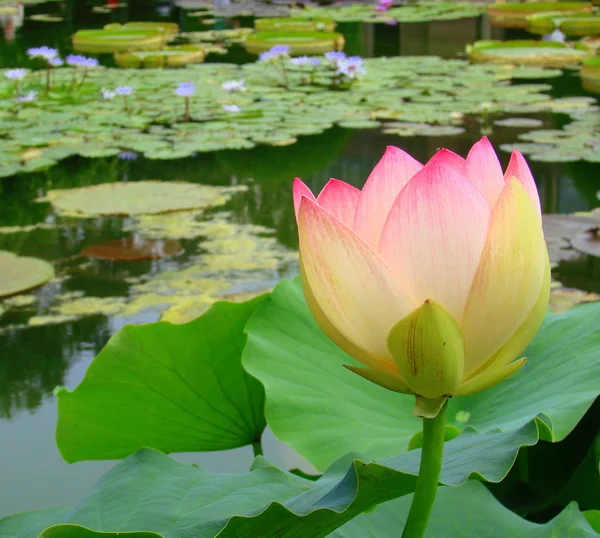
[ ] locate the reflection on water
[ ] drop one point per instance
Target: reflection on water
(34, 360)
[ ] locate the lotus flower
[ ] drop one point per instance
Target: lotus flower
(434, 277)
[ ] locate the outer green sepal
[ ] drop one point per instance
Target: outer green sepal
(428, 348)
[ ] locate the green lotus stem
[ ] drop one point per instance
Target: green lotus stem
(48, 78)
(85, 72)
(284, 73)
(73, 78)
(429, 475)
(257, 448)
(126, 104)
(187, 109)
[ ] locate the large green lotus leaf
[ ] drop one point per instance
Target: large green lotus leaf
(153, 493)
(323, 410)
(470, 510)
(19, 274)
(175, 388)
(135, 198)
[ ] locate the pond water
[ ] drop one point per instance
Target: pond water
(252, 246)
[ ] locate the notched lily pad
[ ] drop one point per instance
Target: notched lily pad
(18, 274)
(138, 198)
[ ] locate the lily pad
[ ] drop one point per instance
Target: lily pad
(519, 122)
(18, 274)
(526, 52)
(169, 28)
(514, 15)
(134, 248)
(118, 40)
(300, 43)
(136, 198)
(294, 25)
(590, 74)
(588, 243)
(177, 56)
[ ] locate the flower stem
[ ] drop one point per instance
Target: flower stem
(257, 448)
(429, 474)
(48, 78)
(187, 109)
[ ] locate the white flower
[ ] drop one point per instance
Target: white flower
(107, 94)
(28, 97)
(233, 86)
(232, 108)
(350, 67)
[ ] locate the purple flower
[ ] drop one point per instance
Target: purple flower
(392, 22)
(16, 74)
(381, 7)
(231, 108)
(27, 98)
(127, 156)
(234, 86)
(274, 52)
(350, 67)
(185, 89)
(55, 62)
(124, 90)
(44, 52)
(315, 62)
(90, 62)
(335, 56)
(75, 60)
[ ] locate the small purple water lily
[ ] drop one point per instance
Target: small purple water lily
(233, 86)
(28, 97)
(351, 67)
(124, 90)
(231, 108)
(55, 62)
(301, 60)
(185, 89)
(47, 53)
(127, 156)
(335, 56)
(274, 52)
(16, 74)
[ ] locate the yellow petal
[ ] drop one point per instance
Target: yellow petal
(349, 281)
(489, 378)
(509, 277)
(375, 363)
(524, 334)
(382, 379)
(428, 348)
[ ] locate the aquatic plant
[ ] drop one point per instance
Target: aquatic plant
(186, 90)
(233, 86)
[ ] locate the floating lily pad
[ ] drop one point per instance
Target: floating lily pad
(590, 74)
(137, 198)
(588, 242)
(421, 129)
(18, 274)
(177, 56)
(526, 52)
(136, 248)
(45, 17)
(591, 42)
(169, 28)
(514, 15)
(519, 122)
(300, 42)
(118, 40)
(295, 25)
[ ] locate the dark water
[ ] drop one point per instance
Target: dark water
(35, 360)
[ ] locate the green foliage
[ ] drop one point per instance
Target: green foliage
(175, 388)
(322, 410)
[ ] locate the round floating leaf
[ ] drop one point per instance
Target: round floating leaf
(118, 40)
(300, 42)
(525, 52)
(175, 388)
(519, 122)
(177, 56)
(136, 248)
(514, 15)
(136, 198)
(588, 243)
(21, 274)
(294, 25)
(322, 410)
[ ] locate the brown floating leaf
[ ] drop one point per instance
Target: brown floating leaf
(21, 274)
(134, 248)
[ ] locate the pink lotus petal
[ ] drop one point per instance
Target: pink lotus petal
(300, 190)
(449, 158)
(519, 168)
(385, 182)
(349, 281)
(484, 170)
(434, 236)
(340, 199)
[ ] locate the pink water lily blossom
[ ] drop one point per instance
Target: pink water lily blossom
(458, 233)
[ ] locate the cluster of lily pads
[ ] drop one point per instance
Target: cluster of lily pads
(149, 121)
